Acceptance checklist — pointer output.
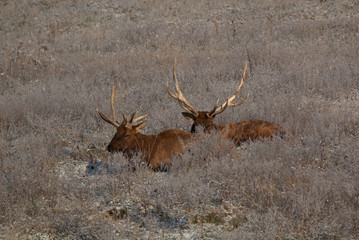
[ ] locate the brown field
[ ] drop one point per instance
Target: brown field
(58, 60)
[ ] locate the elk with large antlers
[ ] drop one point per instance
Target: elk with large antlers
(237, 131)
(156, 149)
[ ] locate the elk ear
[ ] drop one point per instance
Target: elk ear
(139, 126)
(189, 116)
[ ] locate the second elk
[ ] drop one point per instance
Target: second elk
(239, 132)
(156, 150)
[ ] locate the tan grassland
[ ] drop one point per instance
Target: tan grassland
(58, 60)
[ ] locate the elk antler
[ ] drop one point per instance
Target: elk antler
(130, 123)
(217, 110)
(113, 101)
(179, 96)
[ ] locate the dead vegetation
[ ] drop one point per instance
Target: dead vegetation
(59, 58)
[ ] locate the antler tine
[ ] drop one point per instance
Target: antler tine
(185, 105)
(128, 124)
(140, 118)
(117, 91)
(239, 89)
(124, 117)
(107, 119)
(137, 119)
(217, 110)
(230, 99)
(113, 100)
(132, 119)
(170, 93)
(214, 108)
(238, 103)
(132, 116)
(179, 96)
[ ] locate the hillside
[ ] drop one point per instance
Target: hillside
(58, 60)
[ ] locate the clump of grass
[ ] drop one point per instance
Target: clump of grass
(237, 221)
(213, 218)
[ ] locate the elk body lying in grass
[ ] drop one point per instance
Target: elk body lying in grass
(237, 131)
(156, 150)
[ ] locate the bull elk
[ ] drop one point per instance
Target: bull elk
(237, 131)
(156, 150)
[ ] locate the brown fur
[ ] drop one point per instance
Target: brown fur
(156, 149)
(250, 130)
(239, 132)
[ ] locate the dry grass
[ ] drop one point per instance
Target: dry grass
(59, 58)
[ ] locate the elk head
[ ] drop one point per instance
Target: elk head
(204, 118)
(156, 149)
(123, 138)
